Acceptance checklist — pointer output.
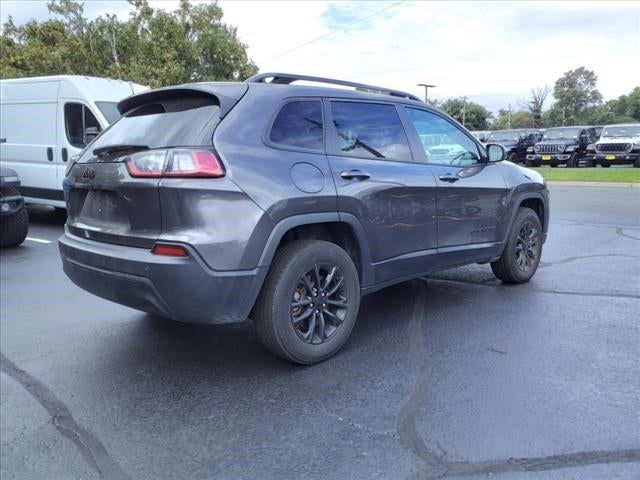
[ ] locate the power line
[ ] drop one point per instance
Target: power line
(346, 27)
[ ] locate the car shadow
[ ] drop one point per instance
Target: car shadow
(42, 215)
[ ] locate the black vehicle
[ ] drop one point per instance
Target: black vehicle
(516, 142)
(14, 221)
(618, 145)
(285, 203)
(561, 146)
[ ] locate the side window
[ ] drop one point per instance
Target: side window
(369, 130)
(77, 119)
(299, 124)
(443, 142)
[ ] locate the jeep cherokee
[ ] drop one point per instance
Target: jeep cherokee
(217, 202)
(561, 146)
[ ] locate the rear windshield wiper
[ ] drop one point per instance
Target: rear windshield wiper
(108, 149)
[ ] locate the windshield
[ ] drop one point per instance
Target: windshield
(506, 135)
(561, 133)
(109, 110)
(176, 122)
(622, 131)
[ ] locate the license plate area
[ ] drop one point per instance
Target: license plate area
(609, 157)
(546, 157)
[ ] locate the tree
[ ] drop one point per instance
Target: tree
(470, 114)
(575, 93)
(518, 119)
(535, 104)
(153, 47)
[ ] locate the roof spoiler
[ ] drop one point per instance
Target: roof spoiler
(227, 95)
(288, 78)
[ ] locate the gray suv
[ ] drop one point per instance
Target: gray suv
(217, 202)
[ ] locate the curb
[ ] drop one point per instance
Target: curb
(594, 184)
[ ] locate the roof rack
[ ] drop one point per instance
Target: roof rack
(288, 78)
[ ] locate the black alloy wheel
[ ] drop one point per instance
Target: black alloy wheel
(319, 303)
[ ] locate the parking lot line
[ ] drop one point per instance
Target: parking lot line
(38, 240)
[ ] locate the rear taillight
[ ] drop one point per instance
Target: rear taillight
(169, 250)
(181, 163)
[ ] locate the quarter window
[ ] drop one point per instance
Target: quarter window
(77, 119)
(369, 130)
(443, 142)
(299, 125)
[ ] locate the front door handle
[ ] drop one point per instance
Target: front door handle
(447, 177)
(50, 154)
(354, 175)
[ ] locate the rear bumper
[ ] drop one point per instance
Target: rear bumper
(613, 158)
(183, 289)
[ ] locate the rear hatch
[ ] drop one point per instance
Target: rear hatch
(112, 190)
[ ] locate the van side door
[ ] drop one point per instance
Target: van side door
(29, 133)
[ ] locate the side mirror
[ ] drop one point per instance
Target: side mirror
(90, 133)
(496, 152)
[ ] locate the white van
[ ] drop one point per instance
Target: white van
(46, 120)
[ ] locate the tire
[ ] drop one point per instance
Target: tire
(573, 161)
(529, 163)
(292, 278)
(636, 163)
(512, 267)
(554, 165)
(13, 227)
(605, 165)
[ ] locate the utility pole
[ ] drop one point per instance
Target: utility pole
(464, 110)
(509, 117)
(563, 116)
(426, 86)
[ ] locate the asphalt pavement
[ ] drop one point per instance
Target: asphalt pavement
(453, 376)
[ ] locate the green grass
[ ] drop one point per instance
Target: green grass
(597, 174)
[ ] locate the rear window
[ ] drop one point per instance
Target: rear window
(299, 125)
(174, 122)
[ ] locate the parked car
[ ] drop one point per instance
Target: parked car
(44, 121)
(285, 203)
(618, 145)
(481, 135)
(14, 220)
(516, 142)
(561, 146)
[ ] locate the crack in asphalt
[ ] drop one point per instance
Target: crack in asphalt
(436, 465)
(92, 450)
(620, 231)
(584, 257)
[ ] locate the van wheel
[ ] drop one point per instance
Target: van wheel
(309, 302)
(521, 255)
(13, 227)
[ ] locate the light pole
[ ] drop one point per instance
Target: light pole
(426, 90)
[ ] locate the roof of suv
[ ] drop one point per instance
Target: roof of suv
(228, 92)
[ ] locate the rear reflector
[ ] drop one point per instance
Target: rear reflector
(169, 250)
(181, 163)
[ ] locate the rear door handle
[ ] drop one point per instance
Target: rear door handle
(354, 175)
(447, 177)
(65, 154)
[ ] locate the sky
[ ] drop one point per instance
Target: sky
(491, 52)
